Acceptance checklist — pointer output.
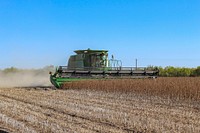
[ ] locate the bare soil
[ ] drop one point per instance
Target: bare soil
(73, 110)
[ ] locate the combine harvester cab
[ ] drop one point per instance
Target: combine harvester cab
(94, 64)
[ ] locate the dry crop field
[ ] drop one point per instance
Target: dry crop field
(118, 106)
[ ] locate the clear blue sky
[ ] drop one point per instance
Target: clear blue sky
(36, 33)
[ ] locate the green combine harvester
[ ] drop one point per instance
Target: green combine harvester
(94, 64)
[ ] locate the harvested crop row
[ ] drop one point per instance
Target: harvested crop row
(95, 111)
(71, 110)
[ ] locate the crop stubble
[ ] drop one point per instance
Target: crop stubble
(96, 108)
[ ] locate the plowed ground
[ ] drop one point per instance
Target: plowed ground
(39, 110)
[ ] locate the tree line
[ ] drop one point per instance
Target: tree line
(171, 71)
(168, 71)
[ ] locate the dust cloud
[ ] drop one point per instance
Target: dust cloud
(23, 79)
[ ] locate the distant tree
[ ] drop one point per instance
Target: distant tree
(11, 70)
(184, 72)
(197, 71)
(171, 71)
